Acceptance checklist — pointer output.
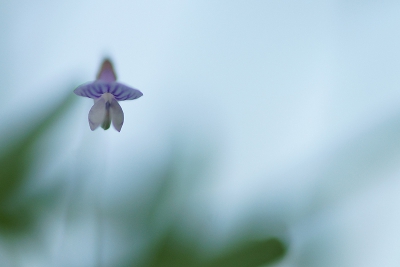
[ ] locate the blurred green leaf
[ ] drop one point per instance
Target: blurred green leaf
(252, 254)
(170, 253)
(162, 213)
(16, 214)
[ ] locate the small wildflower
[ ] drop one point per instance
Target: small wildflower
(106, 93)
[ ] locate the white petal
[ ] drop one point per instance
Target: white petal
(117, 115)
(97, 113)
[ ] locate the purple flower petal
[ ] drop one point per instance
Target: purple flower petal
(123, 92)
(106, 72)
(93, 89)
(116, 114)
(97, 114)
(97, 88)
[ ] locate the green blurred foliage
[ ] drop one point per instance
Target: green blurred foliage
(19, 212)
(246, 254)
(170, 246)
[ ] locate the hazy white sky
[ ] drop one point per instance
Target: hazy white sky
(275, 90)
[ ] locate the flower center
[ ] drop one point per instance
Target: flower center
(108, 98)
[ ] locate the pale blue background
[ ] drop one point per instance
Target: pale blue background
(296, 102)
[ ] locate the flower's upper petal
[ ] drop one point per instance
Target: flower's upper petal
(92, 90)
(123, 92)
(106, 72)
(97, 113)
(116, 114)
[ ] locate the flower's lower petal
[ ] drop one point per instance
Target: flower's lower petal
(97, 114)
(92, 90)
(123, 92)
(116, 114)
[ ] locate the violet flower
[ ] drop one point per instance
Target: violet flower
(106, 93)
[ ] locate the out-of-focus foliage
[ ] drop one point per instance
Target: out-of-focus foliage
(157, 218)
(167, 247)
(246, 254)
(19, 212)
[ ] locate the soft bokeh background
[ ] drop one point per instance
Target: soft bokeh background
(267, 129)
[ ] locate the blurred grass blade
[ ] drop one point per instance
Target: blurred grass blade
(14, 167)
(249, 254)
(253, 254)
(171, 253)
